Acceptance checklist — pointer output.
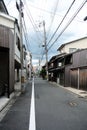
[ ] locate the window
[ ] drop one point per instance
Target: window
(51, 64)
(72, 50)
(18, 42)
(68, 60)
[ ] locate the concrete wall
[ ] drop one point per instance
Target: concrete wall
(6, 20)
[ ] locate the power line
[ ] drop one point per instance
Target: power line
(42, 9)
(43, 5)
(25, 35)
(61, 22)
(72, 18)
(42, 56)
(9, 2)
(47, 11)
(53, 17)
(33, 26)
(32, 20)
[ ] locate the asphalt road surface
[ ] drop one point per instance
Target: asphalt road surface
(58, 109)
(17, 118)
(55, 109)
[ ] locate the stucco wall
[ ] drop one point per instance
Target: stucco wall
(80, 44)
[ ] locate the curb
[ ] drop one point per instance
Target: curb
(4, 101)
(84, 95)
(7, 100)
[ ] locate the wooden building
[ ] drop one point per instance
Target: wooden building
(70, 69)
(76, 72)
(6, 52)
(56, 68)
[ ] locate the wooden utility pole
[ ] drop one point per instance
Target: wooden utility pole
(46, 51)
(21, 44)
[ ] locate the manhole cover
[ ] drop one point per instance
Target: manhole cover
(72, 104)
(80, 96)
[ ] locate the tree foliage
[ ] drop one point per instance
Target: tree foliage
(43, 73)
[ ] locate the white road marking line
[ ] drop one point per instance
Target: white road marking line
(32, 123)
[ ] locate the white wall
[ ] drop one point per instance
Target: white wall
(7, 20)
(80, 44)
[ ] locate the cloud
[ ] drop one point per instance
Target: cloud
(39, 10)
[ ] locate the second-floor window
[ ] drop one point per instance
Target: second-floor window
(68, 60)
(18, 42)
(51, 64)
(72, 50)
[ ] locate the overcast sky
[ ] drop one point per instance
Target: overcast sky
(52, 12)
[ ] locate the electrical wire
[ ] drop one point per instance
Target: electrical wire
(50, 12)
(39, 39)
(47, 11)
(33, 24)
(43, 5)
(9, 2)
(53, 17)
(32, 20)
(61, 22)
(72, 18)
(42, 57)
(26, 36)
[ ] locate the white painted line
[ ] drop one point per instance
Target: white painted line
(32, 123)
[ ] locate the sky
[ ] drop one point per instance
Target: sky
(52, 12)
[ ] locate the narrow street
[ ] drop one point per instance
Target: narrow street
(55, 109)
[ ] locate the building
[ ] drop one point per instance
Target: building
(29, 65)
(76, 72)
(7, 24)
(73, 45)
(56, 68)
(69, 68)
(10, 52)
(17, 53)
(3, 8)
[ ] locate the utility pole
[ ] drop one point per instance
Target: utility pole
(30, 69)
(46, 51)
(20, 9)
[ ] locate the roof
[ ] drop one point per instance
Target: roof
(62, 55)
(56, 56)
(3, 7)
(52, 58)
(70, 43)
(8, 17)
